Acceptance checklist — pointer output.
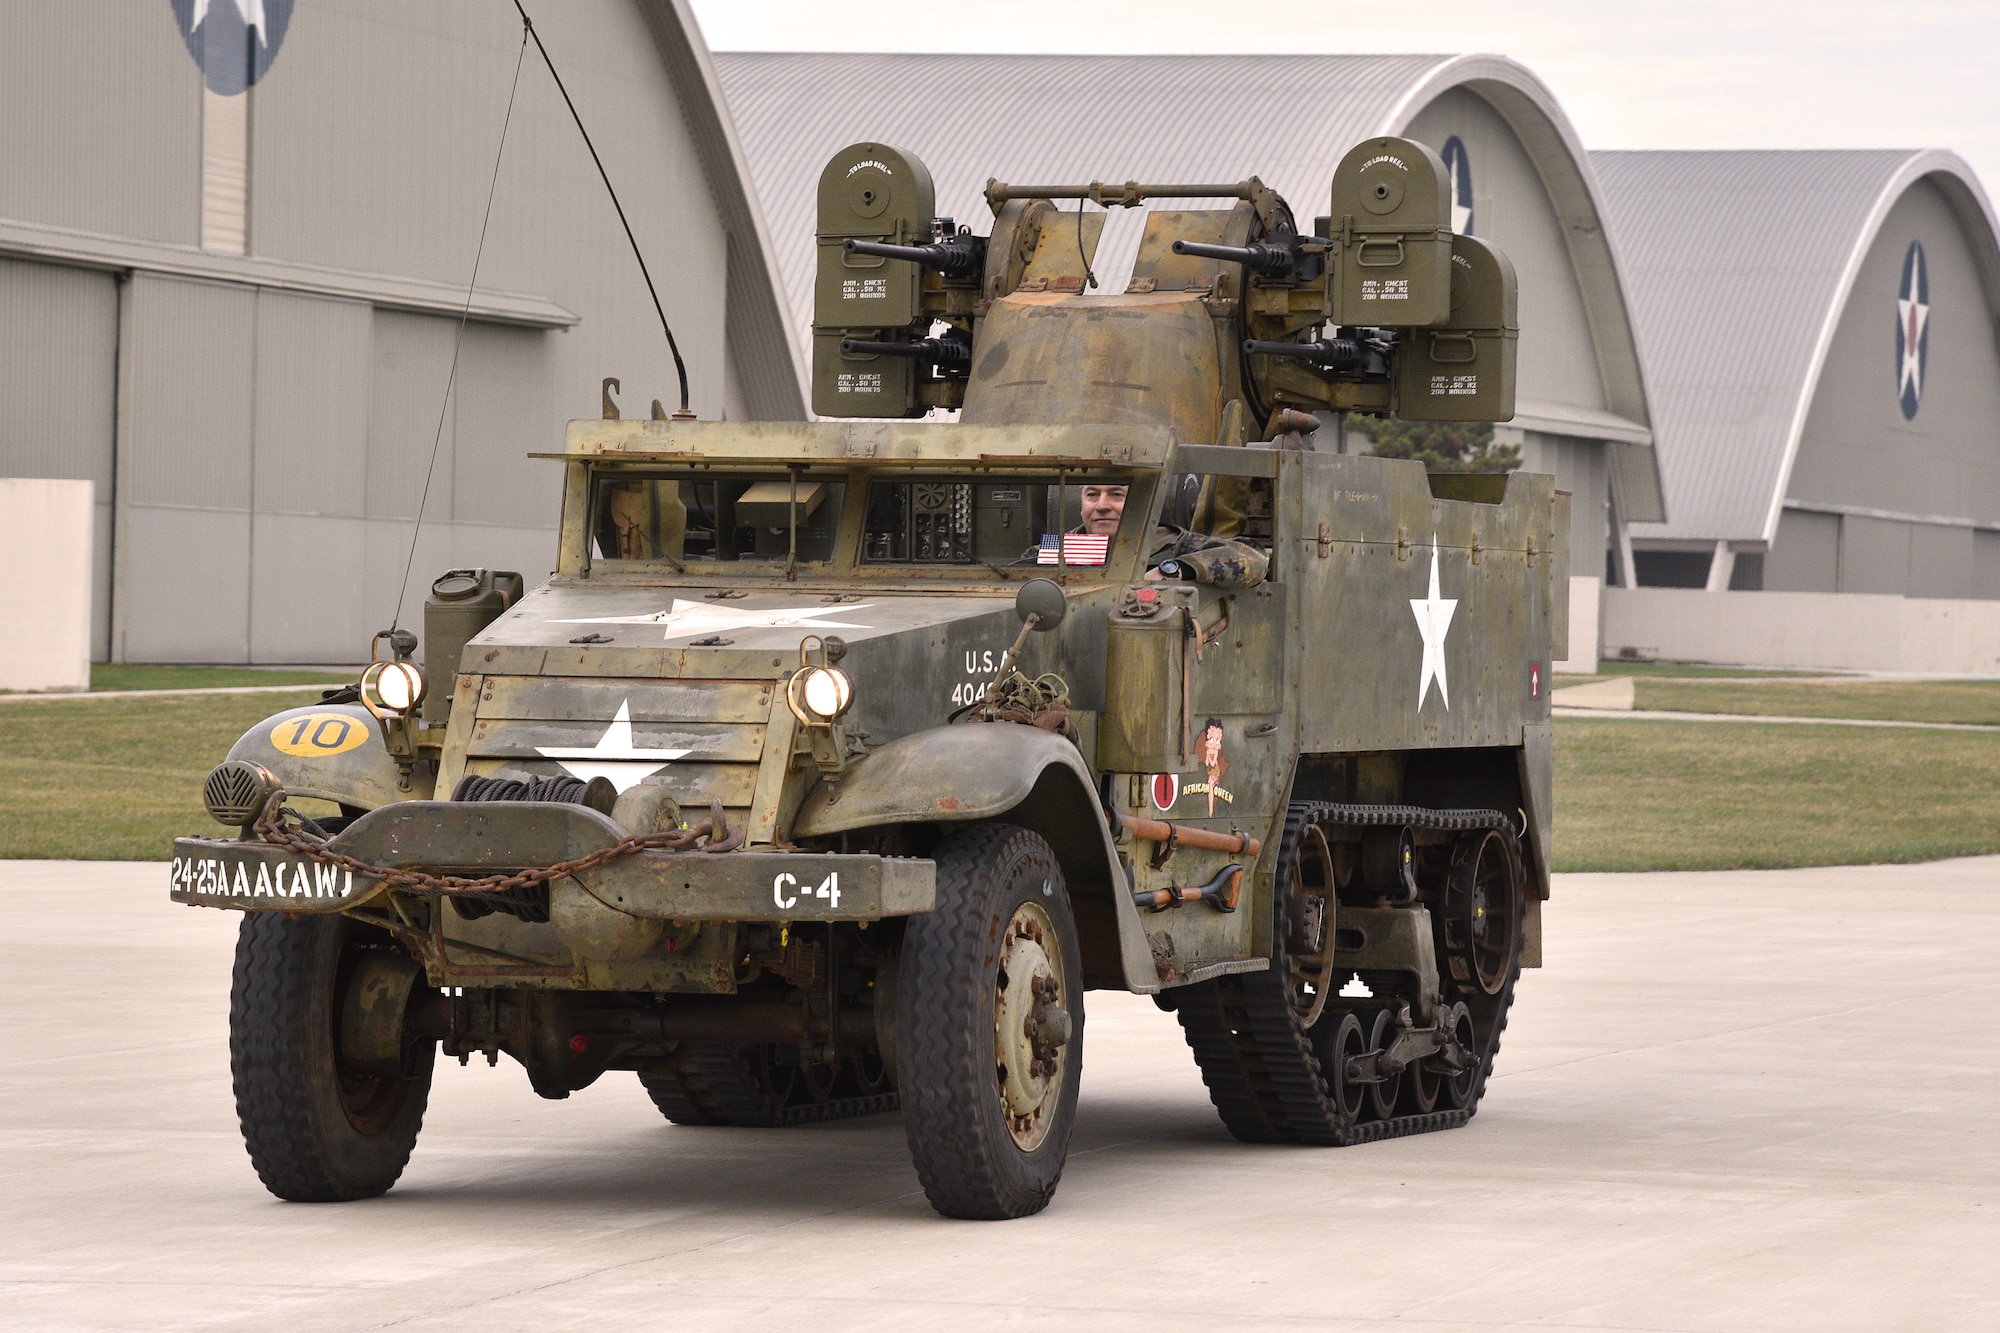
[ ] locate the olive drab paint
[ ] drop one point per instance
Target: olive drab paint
(868, 192)
(1391, 224)
(739, 798)
(1463, 370)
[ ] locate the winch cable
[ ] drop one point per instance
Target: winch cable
(458, 338)
(680, 366)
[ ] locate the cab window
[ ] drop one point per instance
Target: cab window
(692, 518)
(1005, 521)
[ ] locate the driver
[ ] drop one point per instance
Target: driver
(1176, 553)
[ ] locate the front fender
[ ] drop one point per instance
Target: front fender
(331, 752)
(998, 770)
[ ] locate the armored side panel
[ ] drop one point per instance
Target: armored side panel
(868, 192)
(1451, 595)
(1464, 370)
(1392, 221)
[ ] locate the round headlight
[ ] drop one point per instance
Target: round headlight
(827, 692)
(392, 687)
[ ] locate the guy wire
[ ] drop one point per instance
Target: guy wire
(680, 367)
(458, 339)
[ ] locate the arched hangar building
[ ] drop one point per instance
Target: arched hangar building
(233, 262)
(1521, 177)
(1822, 342)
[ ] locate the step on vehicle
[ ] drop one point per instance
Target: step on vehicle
(838, 761)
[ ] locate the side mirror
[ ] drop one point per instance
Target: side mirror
(1042, 599)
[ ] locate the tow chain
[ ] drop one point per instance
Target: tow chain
(272, 828)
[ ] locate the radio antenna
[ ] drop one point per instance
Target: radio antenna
(680, 366)
(458, 339)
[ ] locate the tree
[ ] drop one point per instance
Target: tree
(1441, 446)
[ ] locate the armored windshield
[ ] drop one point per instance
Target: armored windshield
(703, 518)
(699, 518)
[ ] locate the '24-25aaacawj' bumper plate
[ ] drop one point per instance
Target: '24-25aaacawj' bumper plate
(482, 838)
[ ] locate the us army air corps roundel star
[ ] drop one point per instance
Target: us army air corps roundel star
(1433, 622)
(685, 619)
(614, 756)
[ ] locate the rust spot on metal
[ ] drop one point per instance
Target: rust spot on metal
(950, 803)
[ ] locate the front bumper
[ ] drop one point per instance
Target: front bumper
(481, 838)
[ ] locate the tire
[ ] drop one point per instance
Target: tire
(316, 1133)
(989, 1135)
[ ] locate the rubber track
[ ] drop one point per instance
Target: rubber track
(1262, 1075)
(1416, 816)
(717, 1087)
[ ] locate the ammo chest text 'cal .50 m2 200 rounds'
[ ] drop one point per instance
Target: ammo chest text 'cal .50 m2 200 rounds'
(838, 761)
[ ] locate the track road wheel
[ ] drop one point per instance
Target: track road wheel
(1461, 1087)
(1337, 1038)
(330, 1083)
(1382, 1096)
(989, 1015)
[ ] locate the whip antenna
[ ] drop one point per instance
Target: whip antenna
(680, 367)
(458, 339)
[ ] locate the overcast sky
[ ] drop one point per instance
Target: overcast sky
(1654, 74)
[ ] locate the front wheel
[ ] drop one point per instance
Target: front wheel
(331, 1083)
(989, 1020)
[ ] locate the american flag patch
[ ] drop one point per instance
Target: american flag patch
(1078, 548)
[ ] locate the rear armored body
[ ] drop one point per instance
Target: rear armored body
(837, 761)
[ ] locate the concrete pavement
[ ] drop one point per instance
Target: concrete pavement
(1741, 1100)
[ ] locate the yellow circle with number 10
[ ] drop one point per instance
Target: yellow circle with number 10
(316, 735)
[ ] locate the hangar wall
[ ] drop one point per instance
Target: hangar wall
(1883, 503)
(257, 399)
(1560, 385)
(1803, 450)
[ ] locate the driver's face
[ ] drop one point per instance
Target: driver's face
(1103, 506)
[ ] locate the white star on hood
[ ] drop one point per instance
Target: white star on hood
(687, 619)
(1433, 622)
(251, 10)
(614, 756)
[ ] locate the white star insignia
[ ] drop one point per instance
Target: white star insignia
(251, 10)
(614, 756)
(685, 619)
(1433, 622)
(1914, 315)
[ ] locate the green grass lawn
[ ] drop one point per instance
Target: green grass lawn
(117, 779)
(113, 676)
(1612, 666)
(1976, 701)
(1658, 795)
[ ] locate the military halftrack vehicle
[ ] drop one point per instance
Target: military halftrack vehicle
(837, 761)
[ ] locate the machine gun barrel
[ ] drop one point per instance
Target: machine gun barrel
(958, 257)
(1331, 353)
(1271, 261)
(944, 353)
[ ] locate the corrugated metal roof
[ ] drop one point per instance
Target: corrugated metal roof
(1050, 119)
(1737, 266)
